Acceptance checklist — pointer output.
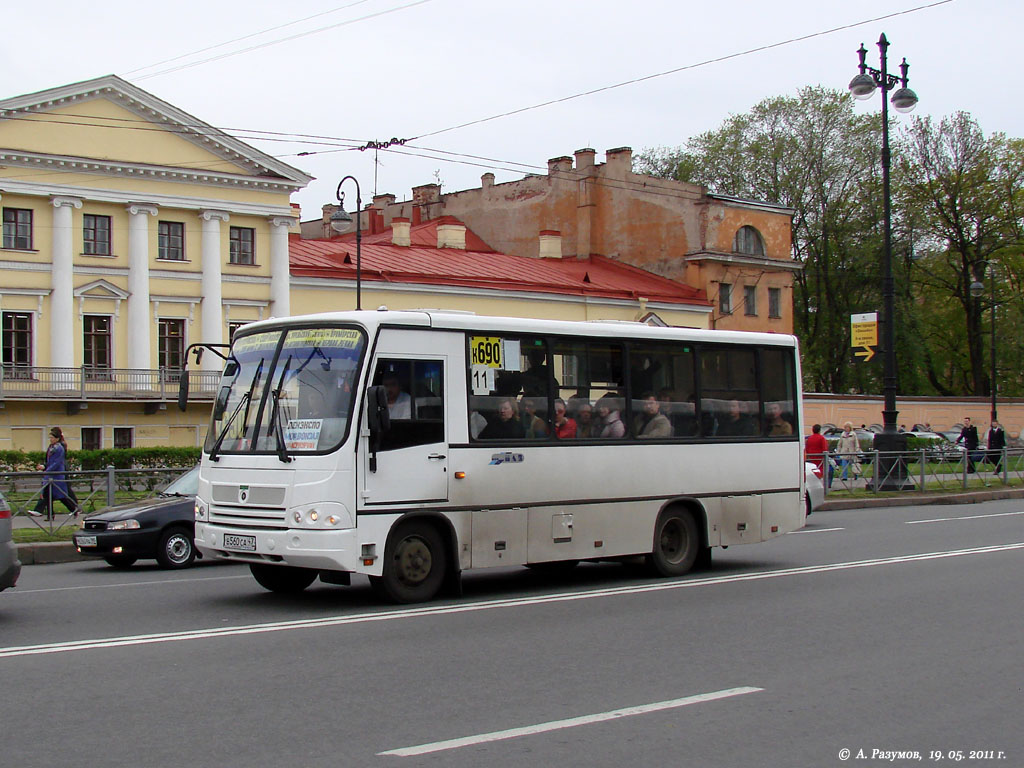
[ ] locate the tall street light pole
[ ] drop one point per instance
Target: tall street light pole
(339, 223)
(863, 86)
(977, 289)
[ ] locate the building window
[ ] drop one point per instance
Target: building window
(233, 329)
(243, 245)
(725, 298)
(748, 240)
(17, 345)
(750, 299)
(96, 235)
(774, 302)
(171, 241)
(123, 437)
(92, 438)
(171, 348)
(96, 346)
(18, 229)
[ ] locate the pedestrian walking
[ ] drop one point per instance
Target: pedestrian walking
(815, 448)
(969, 437)
(55, 486)
(996, 443)
(848, 449)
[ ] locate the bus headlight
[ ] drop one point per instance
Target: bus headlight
(324, 514)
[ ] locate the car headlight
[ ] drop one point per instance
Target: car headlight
(124, 525)
(200, 510)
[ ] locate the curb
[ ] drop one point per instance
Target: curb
(46, 552)
(967, 497)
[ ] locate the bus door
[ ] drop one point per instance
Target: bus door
(412, 458)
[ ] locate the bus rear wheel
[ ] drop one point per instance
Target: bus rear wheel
(282, 578)
(676, 544)
(414, 565)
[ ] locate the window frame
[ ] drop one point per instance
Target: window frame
(750, 300)
(724, 298)
(94, 372)
(166, 245)
(242, 247)
(748, 241)
(10, 343)
(92, 432)
(9, 239)
(97, 240)
(169, 371)
(774, 303)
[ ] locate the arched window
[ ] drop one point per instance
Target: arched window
(748, 240)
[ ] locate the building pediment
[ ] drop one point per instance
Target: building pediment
(100, 289)
(109, 112)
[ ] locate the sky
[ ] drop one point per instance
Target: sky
(349, 72)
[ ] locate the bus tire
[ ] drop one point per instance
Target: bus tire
(282, 578)
(414, 564)
(676, 543)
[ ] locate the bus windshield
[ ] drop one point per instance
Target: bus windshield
(287, 391)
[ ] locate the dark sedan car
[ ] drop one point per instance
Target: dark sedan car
(10, 566)
(161, 528)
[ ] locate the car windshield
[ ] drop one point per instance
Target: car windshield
(286, 391)
(186, 485)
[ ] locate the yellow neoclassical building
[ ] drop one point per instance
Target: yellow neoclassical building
(130, 229)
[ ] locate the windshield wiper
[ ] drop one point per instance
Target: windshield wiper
(243, 402)
(275, 422)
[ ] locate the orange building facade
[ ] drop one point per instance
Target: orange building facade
(737, 252)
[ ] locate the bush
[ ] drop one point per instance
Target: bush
(121, 458)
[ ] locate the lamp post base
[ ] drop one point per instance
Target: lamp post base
(891, 472)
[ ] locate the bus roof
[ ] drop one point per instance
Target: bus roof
(461, 320)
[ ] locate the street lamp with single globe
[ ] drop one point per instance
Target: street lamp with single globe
(340, 222)
(892, 471)
(977, 290)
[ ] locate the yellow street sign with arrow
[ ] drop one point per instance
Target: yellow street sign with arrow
(864, 334)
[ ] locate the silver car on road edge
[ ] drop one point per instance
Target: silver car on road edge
(10, 566)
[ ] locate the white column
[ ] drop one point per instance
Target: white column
(280, 273)
(212, 323)
(62, 296)
(138, 287)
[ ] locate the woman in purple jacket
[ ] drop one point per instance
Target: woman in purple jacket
(55, 486)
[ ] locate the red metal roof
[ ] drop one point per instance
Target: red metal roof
(480, 267)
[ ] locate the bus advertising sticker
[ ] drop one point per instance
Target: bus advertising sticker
(303, 434)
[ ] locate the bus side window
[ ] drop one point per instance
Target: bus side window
(415, 394)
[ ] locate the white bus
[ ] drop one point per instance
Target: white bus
(410, 446)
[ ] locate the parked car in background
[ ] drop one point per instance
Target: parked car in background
(10, 566)
(161, 528)
(814, 487)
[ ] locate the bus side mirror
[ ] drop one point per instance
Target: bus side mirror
(221, 404)
(183, 391)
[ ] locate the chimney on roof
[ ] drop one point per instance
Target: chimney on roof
(451, 233)
(559, 165)
(585, 158)
(487, 180)
(550, 244)
(400, 227)
(381, 202)
(619, 162)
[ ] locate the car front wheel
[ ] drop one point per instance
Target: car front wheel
(176, 549)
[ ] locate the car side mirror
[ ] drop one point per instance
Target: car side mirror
(183, 391)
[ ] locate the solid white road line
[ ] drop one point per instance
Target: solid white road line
(816, 530)
(966, 517)
(441, 610)
(14, 592)
(572, 722)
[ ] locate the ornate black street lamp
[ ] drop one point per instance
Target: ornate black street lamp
(977, 289)
(863, 86)
(340, 222)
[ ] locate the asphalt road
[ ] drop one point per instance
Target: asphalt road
(873, 630)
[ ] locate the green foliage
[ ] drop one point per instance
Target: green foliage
(122, 458)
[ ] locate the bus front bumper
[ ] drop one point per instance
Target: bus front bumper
(298, 547)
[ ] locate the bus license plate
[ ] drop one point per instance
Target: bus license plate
(85, 541)
(244, 543)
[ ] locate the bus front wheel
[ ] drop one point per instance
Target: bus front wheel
(282, 578)
(414, 565)
(676, 544)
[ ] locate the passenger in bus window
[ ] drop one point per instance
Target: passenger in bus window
(774, 423)
(536, 377)
(399, 402)
(651, 422)
(735, 423)
(609, 412)
(506, 425)
(564, 426)
(533, 426)
(585, 425)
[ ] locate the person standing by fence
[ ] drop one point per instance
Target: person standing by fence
(814, 451)
(969, 436)
(848, 449)
(55, 486)
(996, 443)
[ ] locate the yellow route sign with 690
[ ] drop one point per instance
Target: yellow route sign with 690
(486, 350)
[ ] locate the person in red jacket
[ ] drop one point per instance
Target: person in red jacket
(815, 447)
